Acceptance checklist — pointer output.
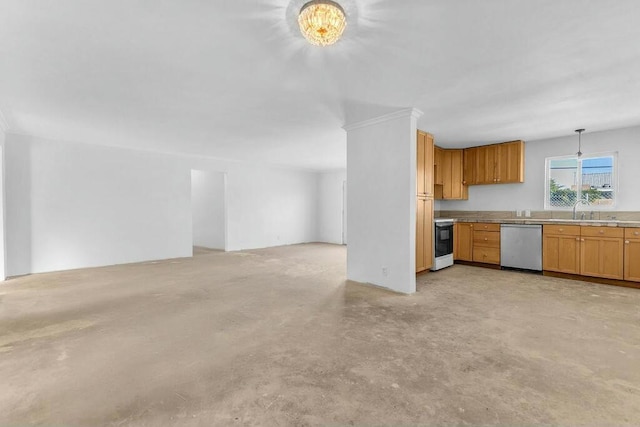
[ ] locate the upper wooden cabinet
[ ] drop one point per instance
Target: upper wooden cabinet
(438, 157)
(494, 164)
(424, 175)
(449, 170)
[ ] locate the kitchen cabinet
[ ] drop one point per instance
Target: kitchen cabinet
(486, 243)
(424, 175)
(424, 201)
(561, 248)
(587, 251)
(452, 170)
(632, 254)
(469, 166)
(438, 154)
(424, 234)
(463, 241)
(494, 164)
(602, 252)
(448, 172)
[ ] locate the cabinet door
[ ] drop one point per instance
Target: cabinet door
(510, 162)
(447, 187)
(424, 234)
(486, 164)
(458, 189)
(632, 260)
(420, 243)
(428, 161)
(438, 178)
(421, 167)
(464, 239)
(561, 253)
(602, 257)
(469, 166)
(428, 233)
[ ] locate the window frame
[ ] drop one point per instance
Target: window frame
(614, 180)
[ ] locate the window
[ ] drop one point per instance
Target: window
(589, 178)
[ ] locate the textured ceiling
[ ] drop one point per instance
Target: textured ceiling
(235, 79)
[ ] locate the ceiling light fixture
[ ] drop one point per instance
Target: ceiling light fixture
(579, 131)
(322, 22)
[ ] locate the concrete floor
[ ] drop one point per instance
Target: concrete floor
(276, 337)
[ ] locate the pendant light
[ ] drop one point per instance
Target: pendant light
(579, 131)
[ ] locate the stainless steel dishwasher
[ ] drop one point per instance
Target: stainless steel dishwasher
(521, 246)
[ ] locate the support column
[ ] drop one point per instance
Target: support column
(3, 245)
(381, 183)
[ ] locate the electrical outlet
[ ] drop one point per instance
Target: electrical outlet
(527, 213)
(385, 271)
(518, 213)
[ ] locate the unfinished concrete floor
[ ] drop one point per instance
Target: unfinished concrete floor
(276, 337)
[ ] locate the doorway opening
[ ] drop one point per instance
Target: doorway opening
(209, 210)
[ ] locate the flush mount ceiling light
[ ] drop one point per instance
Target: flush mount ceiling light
(579, 131)
(322, 22)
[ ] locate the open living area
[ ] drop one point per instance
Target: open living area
(294, 212)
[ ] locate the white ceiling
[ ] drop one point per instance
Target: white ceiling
(235, 79)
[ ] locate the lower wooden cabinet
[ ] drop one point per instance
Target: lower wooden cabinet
(586, 251)
(424, 234)
(632, 254)
(463, 241)
(477, 242)
(486, 243)
(561, 249)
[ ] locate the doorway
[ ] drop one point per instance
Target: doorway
(209, 209)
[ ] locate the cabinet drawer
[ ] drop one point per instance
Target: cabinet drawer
(486, 238)
(486, 255)
(602, 232)
(632, 233)
(485, 226)
(570, 230)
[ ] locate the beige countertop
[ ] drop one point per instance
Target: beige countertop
(582, 222)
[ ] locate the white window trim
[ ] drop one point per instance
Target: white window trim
(614, 179)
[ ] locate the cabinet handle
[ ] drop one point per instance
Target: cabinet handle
(601, 231)
(471, 226)
(582, 240)
(486, 239)
(561, 230)
(626, 242)
(577, 239)
(635, 233)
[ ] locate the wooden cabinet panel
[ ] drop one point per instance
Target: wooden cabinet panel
(601, 232)
(458, 191)
(424, 201)
(486, 255)
(486, 238)
(469, 166)
(463, 235)
(571, 230)
(438, 154)
(424, 234)
(487, 226)
(602, 257)
(632, 259)
(494, 164)
(510, 162)
(632, 233)
(561, 254)
(421, 167)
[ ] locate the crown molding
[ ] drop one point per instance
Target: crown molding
(405, 112)
(3, 123)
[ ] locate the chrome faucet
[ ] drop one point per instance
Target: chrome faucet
(576, 205)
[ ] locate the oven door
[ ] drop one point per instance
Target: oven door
(443, 239)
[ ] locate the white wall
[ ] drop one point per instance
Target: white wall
(208, 209)
(381, 164)
(530, 194)
(79, 205)
(2, 204)
(330, 206)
